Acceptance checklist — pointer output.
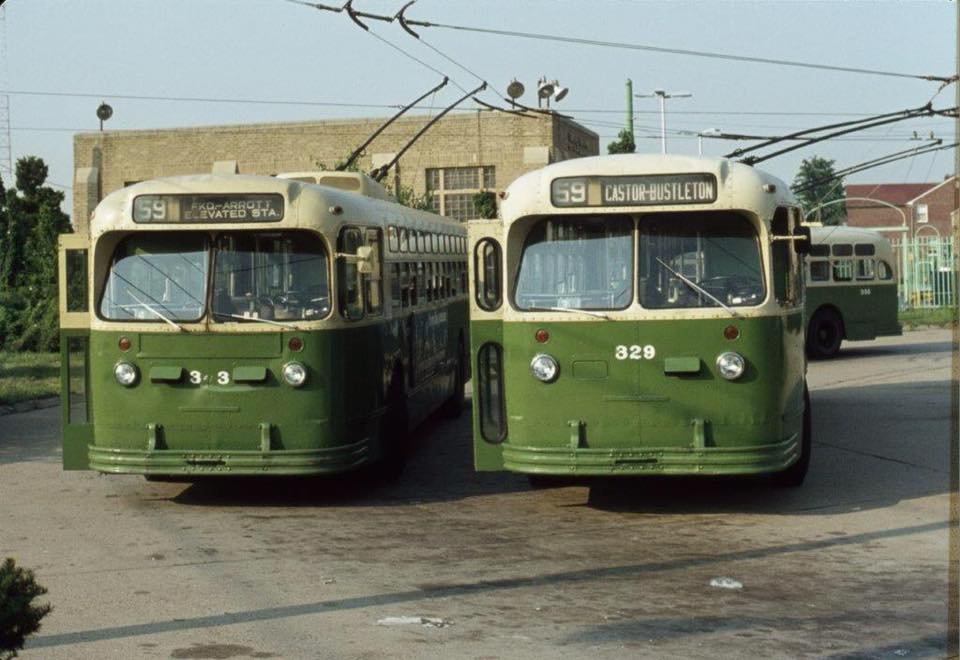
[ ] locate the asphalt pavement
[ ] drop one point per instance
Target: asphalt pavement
(447, 563)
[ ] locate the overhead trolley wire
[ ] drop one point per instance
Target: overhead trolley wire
(405, 23)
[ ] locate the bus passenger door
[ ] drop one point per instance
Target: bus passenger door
(486, 292)
(74, 303)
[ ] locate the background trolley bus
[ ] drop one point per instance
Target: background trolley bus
(258, 326)
(639, 315)
(851, 288)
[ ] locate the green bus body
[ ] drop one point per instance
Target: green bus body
(667, 414)
(216, 403)
(849, 296)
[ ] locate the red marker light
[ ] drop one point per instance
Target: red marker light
(124, 344)
(295, 344)
(542, 336)
(731, 332)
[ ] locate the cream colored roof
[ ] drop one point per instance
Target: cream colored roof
(739, 186)
(306, 205)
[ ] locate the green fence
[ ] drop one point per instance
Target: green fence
(927, 271)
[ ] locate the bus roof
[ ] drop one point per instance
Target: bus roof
(739, 186)
(831, 234)
(305, 206)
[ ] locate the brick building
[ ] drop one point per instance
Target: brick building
(928, 208)
(459, 156)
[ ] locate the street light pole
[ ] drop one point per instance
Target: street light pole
(663, 96)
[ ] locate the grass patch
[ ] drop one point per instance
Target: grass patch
(25, 376)
(937, 316)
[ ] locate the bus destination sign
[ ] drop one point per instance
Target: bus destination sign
(639, 190)
(243, 207)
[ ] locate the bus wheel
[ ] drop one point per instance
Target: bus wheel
(453, 407)
(394, 434)
(794, 475)
(824, 334)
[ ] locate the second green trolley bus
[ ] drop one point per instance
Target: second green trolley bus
(641, 315)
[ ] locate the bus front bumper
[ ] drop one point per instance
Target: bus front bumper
(163, 462)
(588, 462)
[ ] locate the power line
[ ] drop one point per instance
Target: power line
(406, 22)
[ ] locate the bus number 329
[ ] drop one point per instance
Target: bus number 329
(635, 352)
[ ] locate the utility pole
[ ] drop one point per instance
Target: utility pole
(663, 96)
(630, 108)
(6, 146)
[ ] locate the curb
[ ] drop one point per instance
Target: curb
(26, 406)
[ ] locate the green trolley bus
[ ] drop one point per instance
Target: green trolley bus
(640, 315)
(851, 288)
(253, 325)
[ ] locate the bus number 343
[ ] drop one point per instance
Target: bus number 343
(223, 377)
(635, 352)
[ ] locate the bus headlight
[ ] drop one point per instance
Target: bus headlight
(294, 373)
(731, 365)
(544, 368)
(126, 374)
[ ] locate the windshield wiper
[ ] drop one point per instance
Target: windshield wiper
(257, 318)
(588, 312)
(696, 287)
(156, 313)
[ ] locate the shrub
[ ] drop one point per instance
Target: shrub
(19, 618)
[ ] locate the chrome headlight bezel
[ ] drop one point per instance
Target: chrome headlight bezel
(544, 368)
(731, 365)
(126, 373)
(294, 374)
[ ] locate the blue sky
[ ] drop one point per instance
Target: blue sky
(276, 50)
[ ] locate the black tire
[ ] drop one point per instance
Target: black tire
(794, 475)
(824, 334)
(453, 407)
(394, 434)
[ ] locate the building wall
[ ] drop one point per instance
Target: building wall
(513, 145)
(940, 199)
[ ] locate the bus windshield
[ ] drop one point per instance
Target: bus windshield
(157, 277)
(257, 276)
(577, 262)
(272, 276)
(696, 259)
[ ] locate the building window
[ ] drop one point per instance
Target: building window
(922, 215)
(451, 189)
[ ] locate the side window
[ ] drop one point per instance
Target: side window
(492, 402)
(396, 288)
(373, 280)
(819, 250)
(349, 289)
(780, 251)
(842, 270)
(884, 271)
(404, 240)
(865, 269)
(487, 260)
(820, 270)
(77, 298)
(393, 239)
(406, 285)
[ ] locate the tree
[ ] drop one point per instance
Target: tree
(485, 203)
(624, 144)
(19, 617)
(815, 184)
(30, 222)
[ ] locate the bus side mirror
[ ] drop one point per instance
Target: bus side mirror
(802, 242)
(365, 259)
